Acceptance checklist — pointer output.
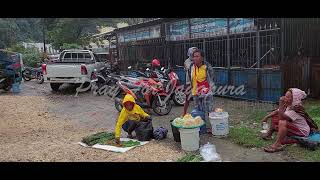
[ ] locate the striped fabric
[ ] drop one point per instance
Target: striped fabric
(298, 121)
(301, 111)
(293, 130)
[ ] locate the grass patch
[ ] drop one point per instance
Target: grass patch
(247, 137)
(314, 112)
(247, 134)
(303, 153)
(257, 116)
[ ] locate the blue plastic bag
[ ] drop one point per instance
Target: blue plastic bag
(195, 113)
(314, 137)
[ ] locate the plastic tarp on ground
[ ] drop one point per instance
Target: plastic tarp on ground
(114, 148)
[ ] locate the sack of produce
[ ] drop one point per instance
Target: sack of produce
(188, 122)
(144, 131)
(160, 133)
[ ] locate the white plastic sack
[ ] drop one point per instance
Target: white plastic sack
(209, 154)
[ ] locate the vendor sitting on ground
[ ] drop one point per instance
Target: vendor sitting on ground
(290, 119)
(130, 115)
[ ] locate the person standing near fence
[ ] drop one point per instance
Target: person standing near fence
(201, 78)
(187, 85)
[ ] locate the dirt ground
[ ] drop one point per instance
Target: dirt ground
(39, 125)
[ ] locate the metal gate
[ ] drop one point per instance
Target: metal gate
(296, 73)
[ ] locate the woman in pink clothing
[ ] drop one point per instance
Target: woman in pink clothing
(290, 119)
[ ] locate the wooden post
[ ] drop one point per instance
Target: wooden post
(228, 43)
(282, 39)
(44, 36)
(259, 89)
(228, 51)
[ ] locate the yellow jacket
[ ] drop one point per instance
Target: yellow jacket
(199, 74)
(136, 114)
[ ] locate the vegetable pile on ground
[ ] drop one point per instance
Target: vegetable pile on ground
(105, 138)
(188, 122)
(191, 158)
(98, 138)
(124, 144)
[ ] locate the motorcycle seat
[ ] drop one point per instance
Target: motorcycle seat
(131, 86)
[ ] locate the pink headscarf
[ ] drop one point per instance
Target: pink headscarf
(297, 96)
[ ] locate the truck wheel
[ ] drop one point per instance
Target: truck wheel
(55, 86)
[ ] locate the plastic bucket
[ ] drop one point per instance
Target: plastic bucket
(190, 139)
(175, 132)
(15, 88)
(219, 123)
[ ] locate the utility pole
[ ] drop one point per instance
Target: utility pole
(44, 36)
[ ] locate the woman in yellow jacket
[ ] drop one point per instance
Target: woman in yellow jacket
(130, 115)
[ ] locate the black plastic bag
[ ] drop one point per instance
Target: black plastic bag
(144, 130)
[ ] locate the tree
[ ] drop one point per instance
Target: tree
(31, 57)
(8, 29)
(15, 30)
(70, 46)
(76, 30)
(55, 31)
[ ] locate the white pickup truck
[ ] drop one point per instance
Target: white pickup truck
(74, 67)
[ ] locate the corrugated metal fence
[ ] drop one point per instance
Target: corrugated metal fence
(259, 84)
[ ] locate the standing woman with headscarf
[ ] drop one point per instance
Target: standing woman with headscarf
(187, 64)
(290, 119)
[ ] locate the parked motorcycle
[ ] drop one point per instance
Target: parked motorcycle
(33, 73)
(106, 78)
(5, 81)
(10, 69)
(165, 76)
(178, 96)
(135, 73)
(147, 93)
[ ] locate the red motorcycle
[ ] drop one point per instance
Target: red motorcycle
(147, 93)
(172, 84)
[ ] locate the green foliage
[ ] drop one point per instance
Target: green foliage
(257, 116)
(14, 30)
(98, 138)
(70, 46)
(17, 48)
(31, 56)
(76, 30)
(56, 31)
(314, 112)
